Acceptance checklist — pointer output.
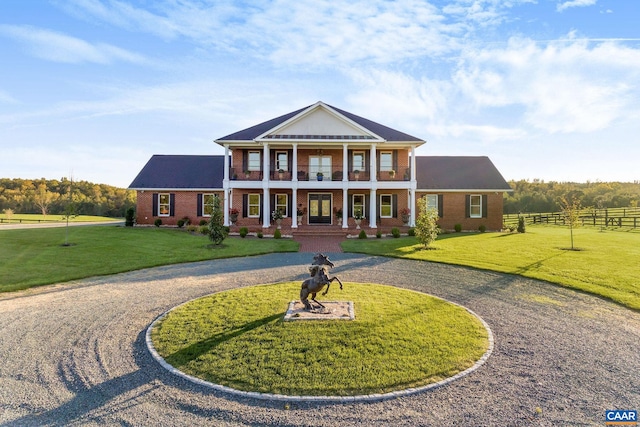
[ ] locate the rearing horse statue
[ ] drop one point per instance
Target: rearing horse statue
(317, 281)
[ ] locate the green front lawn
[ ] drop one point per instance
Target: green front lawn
(32, 257)
(399, 339)
(605, 265)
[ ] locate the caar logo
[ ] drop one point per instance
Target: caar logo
(621, 418)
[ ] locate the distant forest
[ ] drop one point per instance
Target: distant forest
(53, 197)
(538, 196)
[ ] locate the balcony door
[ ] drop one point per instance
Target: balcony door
(320, 164)
(319, 208)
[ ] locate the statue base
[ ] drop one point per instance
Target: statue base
(332, 310)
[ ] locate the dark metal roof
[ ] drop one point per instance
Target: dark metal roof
(458, 173)
(384, 132)
(180, 172)
(381, 130)
(249, 134)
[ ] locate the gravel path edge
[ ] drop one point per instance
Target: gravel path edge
(326, 399)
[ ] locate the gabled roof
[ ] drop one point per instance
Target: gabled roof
(458, 173)
(180, 172)
(376, 130)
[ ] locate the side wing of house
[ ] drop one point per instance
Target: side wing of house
(172, 188)
(466, 190)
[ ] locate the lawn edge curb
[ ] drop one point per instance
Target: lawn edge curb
(328, 399)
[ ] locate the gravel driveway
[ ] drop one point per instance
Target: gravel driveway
(74, 354)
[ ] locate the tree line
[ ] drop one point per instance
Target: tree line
(53, 197)
(539, 196)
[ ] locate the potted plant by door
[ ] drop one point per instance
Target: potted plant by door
(357, 217)
(233, 215)
(404, 214)
(280, 174)
(319, 176)
(356, 174)
(338, 212)
(277, 217)
(300, 212)
(392, 174)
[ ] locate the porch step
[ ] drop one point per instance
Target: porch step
(319, 231)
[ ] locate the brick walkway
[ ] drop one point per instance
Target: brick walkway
(319, 243)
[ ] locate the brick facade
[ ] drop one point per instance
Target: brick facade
(454, 211)
(316, 139)
(185, 204)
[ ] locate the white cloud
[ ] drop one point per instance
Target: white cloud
(54, 46)
(574, 3)
(287, 32)
(562, 87)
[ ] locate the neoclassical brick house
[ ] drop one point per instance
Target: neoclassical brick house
(313, 164)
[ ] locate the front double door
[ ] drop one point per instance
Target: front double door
(319, 208)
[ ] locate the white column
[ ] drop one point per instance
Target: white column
(345, 208)
(373, 175)
(294, 168)
(413, 165)
(294, 208)
(225, 186)
(345, 163)
(226, 193)
(265, 162)
(266, 208)
(412, 207)
(372, 209)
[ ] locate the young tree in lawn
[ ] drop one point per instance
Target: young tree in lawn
(571, 211)
(217, 231)
(69, 212)
(426, 223)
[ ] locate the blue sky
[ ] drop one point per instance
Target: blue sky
(548, 89)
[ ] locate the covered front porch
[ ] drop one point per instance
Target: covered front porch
(340, 209)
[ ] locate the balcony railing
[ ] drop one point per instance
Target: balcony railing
(312, 173)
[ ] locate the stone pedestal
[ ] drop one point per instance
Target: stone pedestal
(333, 310)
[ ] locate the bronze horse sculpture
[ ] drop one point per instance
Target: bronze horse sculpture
(318, 280)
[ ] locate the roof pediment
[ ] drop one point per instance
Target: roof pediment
(319, 122)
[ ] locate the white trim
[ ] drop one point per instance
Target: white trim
(177, 189)
(386, 152)
(168, 204)
(249, 167)
(363, 167)
(249, 205)
(212, 204)
(462, 190)
(353, 206)
(277, 167)
(390, 205)
(432, 195)
(471, 214)
(307, 112)
(285, 214)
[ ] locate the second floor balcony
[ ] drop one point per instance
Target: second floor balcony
(318, 173)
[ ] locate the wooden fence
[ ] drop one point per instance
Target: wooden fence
(609, 217)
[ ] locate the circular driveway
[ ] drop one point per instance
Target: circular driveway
(75, 354)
